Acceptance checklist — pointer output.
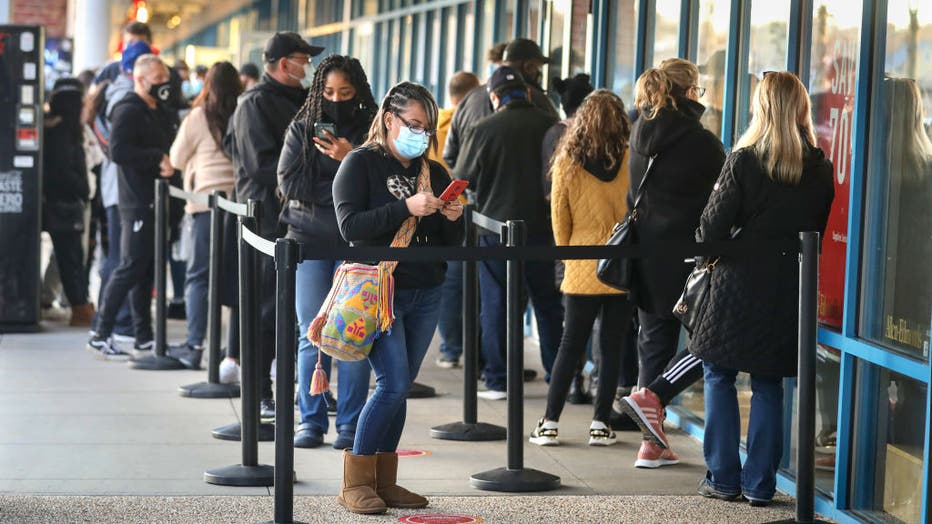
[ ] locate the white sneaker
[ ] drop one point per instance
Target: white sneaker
(229, 371)
(492, 394)
(545, 434)
(125, 339)
(600, 434)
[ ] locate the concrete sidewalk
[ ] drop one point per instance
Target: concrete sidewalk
(75, 426)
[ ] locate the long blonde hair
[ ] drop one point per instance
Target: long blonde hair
(659, 87)
(909, 149)
(599, 129)
(781, 128)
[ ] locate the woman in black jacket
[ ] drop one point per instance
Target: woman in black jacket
(774, 185)
(377, 189)
(687, 159)
(66, 192)
(339, 95)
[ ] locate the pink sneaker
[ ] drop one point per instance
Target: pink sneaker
(653, 456)
(645, 409)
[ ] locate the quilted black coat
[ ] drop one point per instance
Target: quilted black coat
(749, 322)
(689, 159)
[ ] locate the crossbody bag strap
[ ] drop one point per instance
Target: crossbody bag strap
(406, 231)
(640, 191)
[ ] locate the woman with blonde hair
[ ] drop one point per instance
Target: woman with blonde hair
(590, 180)
(686, 160)
(774, 185)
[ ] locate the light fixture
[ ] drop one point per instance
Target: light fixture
(142, 12)
(173, 22)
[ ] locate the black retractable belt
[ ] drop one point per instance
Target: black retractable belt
(213, 388)
(515, 477)
(470, 428)
(159, 361)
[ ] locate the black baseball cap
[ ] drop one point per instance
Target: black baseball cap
(283, 44)
(505, 78)
(522, 50)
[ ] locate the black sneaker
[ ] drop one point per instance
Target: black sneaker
(176, 310)
(708, 491)
(267, 409)
(578, 393)
(105, 349)
(187, 354)
(143, 349)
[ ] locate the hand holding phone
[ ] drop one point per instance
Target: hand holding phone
(320, 127)
(454, 190)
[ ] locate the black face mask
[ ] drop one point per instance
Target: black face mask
(342, 112)
(162, 93)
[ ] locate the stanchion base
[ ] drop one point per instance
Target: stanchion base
(477, 432)
(794, 521)
(419, 390)
(235, 432)
(209, 390)
(514, 480)
(239, 475)
(273, 522)
(156, 363)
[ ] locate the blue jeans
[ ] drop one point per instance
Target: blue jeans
(539, 280)
(758, 478)
(312, 282)
(124, 319)
(396, 358)
(196, 279)
(450, 324)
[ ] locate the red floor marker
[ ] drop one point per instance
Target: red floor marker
(412, 452)
(440, 518)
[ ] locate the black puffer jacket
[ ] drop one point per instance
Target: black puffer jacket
(689, 158)
(306, 182)
(750, 319)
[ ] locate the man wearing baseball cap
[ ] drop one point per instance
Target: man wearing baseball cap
(254, 140)
(501, 160)
(521, 55)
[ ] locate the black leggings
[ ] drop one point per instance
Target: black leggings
(581, 312)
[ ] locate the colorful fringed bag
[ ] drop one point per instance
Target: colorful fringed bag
(358, 308)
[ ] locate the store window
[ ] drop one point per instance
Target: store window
(320, 13)
(767, 50)
(365, 7)
(714, 22)
(623, 35)
(666, 30)
(832, 78)
(896, 302)
(559, 17)
(361, 47)
(579, 37)
(888, 465)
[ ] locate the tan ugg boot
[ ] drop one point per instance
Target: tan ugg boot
(386, 477)
(82, 315)
(358, 491)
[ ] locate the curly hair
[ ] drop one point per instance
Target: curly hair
(599, 130)
(312, 110)
(659, 87)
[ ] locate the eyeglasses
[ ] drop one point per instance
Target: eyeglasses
(304, 59)
(416, 130)
(700, 90)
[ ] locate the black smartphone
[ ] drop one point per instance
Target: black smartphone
(320, 127)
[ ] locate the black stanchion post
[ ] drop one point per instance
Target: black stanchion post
(470, 429)
(213, 388)
(250, 472)
(808, 333)
(515, 477)
(286, 261)
(159, 361)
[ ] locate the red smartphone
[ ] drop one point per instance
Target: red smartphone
(454, 190)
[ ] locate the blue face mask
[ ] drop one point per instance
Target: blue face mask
(410, 145)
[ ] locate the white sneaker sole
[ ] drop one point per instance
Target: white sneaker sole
(492, 395)
(654, 464)
(142, 353)
(602, 441)
(634, 411)
(113, 358)
(544, 441)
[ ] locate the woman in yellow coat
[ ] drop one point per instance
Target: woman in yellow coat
(590, 181)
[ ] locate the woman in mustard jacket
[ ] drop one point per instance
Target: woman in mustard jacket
(590, 181)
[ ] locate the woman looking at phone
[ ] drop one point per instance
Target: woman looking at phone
(339, 106)
(378, 188)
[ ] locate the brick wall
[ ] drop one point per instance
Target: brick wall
(52, 14)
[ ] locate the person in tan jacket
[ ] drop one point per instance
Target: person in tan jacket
(198, 151)
(590, 181)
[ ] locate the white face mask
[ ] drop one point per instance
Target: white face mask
(308, 73)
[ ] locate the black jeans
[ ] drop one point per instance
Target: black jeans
(133, 276)
(657, 341)
(581, 312)
(70, 258)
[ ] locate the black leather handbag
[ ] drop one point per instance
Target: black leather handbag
(619, 272)
(692, 301)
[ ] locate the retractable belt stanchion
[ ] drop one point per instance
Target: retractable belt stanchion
(515, 477)
(808, 333)
(286, 262)
(470, 429)
(213, 388)
(250, 472)
(159, 361)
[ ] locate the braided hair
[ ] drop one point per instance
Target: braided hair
(312, 110)
(397, 101)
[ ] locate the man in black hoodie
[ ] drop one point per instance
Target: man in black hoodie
(140, 137)
(254, 140)
(501, 160)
